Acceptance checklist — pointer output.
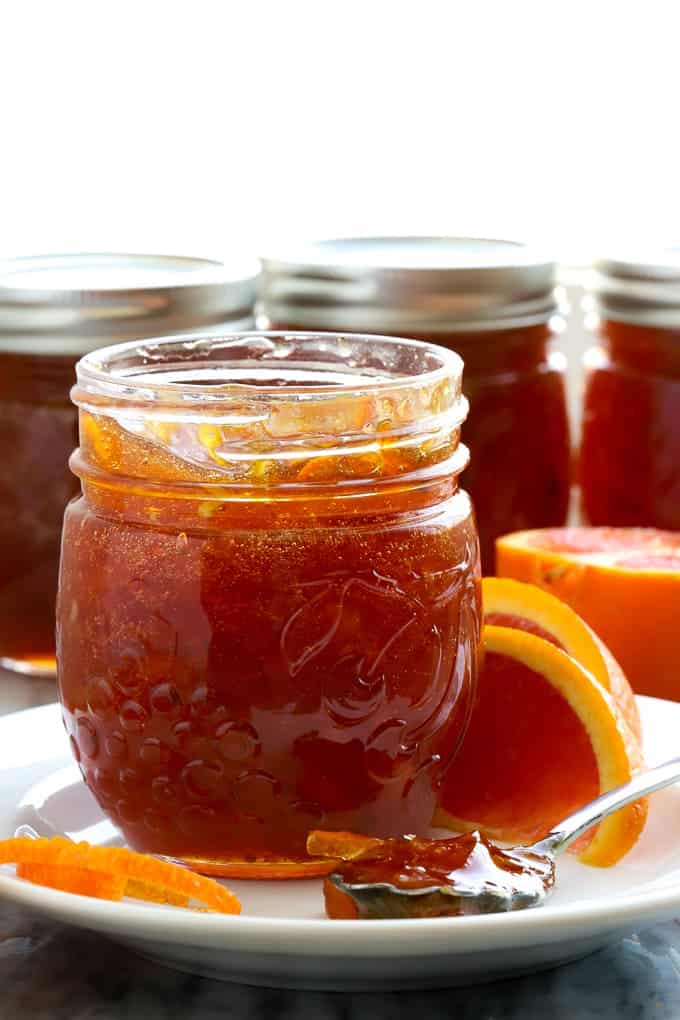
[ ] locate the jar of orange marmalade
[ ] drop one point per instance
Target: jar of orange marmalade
(268, 614)
(630, 445)
(491, 301)
(52, 310)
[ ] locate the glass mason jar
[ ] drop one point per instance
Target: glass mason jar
(491, 301)
(52, 310)
(268, 616)
(630, 443)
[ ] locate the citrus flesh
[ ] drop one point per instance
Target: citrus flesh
(545, 738)
(625, 584)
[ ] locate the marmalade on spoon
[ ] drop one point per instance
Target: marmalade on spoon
(412, 877)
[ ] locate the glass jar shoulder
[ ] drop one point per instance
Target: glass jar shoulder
(446, 526)
(425, 558)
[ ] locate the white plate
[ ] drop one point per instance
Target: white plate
(283, 940)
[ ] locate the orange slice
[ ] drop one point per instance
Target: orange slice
(509, 603)
(544, 738)
(624, 582)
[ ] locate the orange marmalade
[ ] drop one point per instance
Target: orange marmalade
(268, 616)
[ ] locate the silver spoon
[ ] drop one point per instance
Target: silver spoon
(485, 887)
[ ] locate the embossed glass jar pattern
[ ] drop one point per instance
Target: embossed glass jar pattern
(268, 617)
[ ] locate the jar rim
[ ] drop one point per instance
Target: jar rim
(368, 405)
(131, 383)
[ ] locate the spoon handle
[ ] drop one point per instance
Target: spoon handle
(570, 828)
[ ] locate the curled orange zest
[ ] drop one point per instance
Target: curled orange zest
(75, 880)
(112, 872)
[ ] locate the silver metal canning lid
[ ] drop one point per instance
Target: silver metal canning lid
(76, 303)
(644, 291)
(409, 285)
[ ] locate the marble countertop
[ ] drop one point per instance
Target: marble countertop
(50, 972)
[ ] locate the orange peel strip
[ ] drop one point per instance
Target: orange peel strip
(344, 846)
(276, 872)
(261, 867)
(60, 860)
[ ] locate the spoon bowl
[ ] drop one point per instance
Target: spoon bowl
(467, 874)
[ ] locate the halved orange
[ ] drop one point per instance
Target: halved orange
(544, 739)
(624, 582)
(510, 603)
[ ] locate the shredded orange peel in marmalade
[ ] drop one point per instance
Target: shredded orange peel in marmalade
(113, 872)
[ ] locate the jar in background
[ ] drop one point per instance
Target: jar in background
(52, 310)
(268, 615)
(491, 301)
(630, 444)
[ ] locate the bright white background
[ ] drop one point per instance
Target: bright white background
(199, 126)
